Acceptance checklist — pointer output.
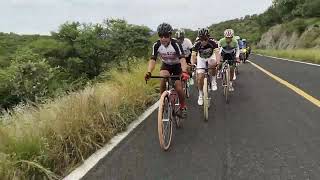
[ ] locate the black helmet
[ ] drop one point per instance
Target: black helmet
(204, 32)
(164, 28)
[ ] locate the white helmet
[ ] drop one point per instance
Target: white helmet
(180, 34)
(228, 33)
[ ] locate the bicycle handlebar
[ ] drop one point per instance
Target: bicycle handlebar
(164, 77)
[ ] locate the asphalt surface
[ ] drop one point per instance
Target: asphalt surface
(267, 132)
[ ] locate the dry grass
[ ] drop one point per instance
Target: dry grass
(50, 140)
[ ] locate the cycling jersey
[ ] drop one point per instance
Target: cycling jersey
(186, 46)
(240, 43)
(170, 55)
(205, 51)
(244, 44)
(229, 48)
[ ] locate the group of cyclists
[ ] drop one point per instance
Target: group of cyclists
(178, 54)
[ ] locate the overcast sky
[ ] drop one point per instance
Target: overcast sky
(43, 16)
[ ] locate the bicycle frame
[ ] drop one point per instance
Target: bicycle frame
(225, 66)
(168, 112)
(170, 89)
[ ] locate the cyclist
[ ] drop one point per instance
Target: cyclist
(241, 47)
(186, 46)
(205, 49)
(247, 47)
(173, 62)
(229, 50)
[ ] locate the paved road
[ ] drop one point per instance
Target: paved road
(267, 132)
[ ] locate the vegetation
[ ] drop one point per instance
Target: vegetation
(64, 96)
(291, 13)
(308, 55)
(37, 67)
(49, 140)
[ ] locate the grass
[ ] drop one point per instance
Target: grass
(48, 141)
(307, 55)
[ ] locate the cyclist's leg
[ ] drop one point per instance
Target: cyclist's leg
(212, 63)
(232, 64)
(200, 76)
(176, 70)
(188, 60)
(219, 66)
(201, 63)
(164, 71)
(232, 69)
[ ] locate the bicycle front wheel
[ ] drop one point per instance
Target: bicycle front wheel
(205, 99)
(165, 121)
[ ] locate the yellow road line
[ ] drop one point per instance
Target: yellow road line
(290, 86)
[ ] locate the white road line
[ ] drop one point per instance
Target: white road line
(289, 60)
(97, 156)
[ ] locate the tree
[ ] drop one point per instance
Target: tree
(31, 76)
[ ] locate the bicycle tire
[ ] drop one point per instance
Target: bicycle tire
(165, 106)
(205, 99)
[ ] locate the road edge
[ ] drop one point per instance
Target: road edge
(284, 59)
(89, 163)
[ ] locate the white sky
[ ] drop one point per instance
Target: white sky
(43, 16)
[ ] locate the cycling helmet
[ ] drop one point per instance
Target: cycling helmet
(228, 33)
(204, 32)
(164, 28)
(180, 34)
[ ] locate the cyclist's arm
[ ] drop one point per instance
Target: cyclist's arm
(154, 55)
(220, 51)
(217, 54)
(183, 64)
(194, 57)
(194, 51)
(182, 58)
(189, 45)
(237, 52)
(237, 48)
(215, 47)
(152, 65)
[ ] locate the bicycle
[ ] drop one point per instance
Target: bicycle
(186, 85)
(168, 113)
(206, 88)
(225, 73)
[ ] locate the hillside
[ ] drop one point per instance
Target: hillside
(286, 24)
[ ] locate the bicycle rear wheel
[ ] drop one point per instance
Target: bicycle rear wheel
(227, 76)
(165, 121)
(205, 99)
(226, 82)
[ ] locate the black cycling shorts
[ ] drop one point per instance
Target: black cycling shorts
(173, 69)
(230, 57)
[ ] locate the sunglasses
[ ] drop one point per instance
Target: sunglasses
(164, 35)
